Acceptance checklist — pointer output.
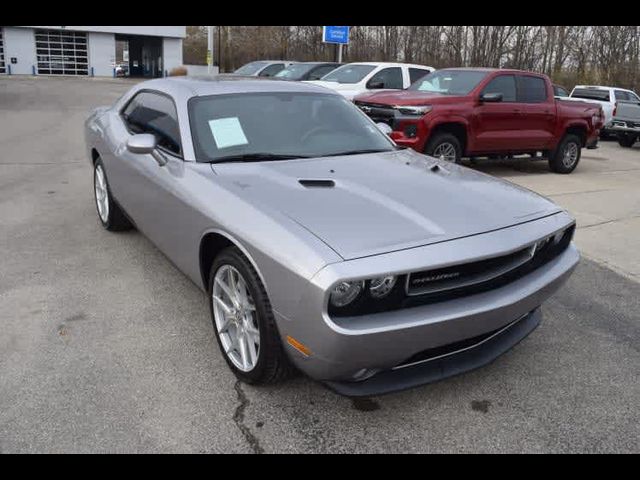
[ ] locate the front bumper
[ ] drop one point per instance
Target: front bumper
(616, 128)
(354, 348)
(445, 366)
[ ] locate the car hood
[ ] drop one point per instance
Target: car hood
(408, 97)
(376, 203)
(348, 90)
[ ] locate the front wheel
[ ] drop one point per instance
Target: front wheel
(109, 213)
(566, 156)
(626, 140)
(445, 146)
(243, 321)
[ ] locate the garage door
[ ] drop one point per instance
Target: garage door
(3, 67)
(61, 52)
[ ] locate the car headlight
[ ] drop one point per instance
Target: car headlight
(345, 292)
(413, 109)
(382, 286)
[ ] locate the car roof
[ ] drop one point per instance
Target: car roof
(390, 64)
(493, 69)
(197, 86)
(600, 87)
(271, 61)
(318, 63)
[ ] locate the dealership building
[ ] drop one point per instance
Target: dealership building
(103, 51)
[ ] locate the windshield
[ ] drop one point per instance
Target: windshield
(251, 68)
(349, 73)
(280, 124)
(591, 94)
(449, 82)
(295, 71)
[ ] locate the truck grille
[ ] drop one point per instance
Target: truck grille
(378, 113)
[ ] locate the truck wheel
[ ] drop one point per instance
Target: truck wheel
(626, 140)
(445, 146)
(565, 158)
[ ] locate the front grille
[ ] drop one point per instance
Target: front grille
(457, 281)
(378, 113)
(457, 276)
(502, 273)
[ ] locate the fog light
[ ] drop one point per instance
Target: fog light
(345, 292)
(380, 287)
(411, 130)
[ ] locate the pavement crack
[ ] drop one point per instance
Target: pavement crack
(238, 419)
(605, 222)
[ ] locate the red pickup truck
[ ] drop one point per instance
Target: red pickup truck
(474, 112)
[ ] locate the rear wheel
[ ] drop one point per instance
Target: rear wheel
(627, 139)
(109, 213)
(243, 321)
(445, 146)
(566, 156)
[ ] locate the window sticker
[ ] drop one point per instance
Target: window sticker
(227, 132)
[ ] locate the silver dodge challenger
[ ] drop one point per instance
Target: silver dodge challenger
(322, 245)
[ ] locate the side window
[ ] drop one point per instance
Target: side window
(416, 74)
(388, 77)
(531, 89)
(320, 72)
(633, 97)
(156, 114)
(559, 91)
(131, 115)
(622, 95)
(271, 70)
(504, 84)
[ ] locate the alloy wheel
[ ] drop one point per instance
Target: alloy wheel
(234, 314)
(445, 151)
(570, 155)
(102, 194)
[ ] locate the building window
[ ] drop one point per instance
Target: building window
(61, 52)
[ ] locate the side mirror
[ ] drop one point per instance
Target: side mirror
(491, 97)
(384, 128)
(143, 143)
(146, 144)
(375, 85)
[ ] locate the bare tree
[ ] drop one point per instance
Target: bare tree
(569, 54)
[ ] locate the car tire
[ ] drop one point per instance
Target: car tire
(444, 146)
(626, 140)
(271, 364)
(109, 212)
(565, 158)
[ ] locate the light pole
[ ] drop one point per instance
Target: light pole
(219, 46)
(209, 48)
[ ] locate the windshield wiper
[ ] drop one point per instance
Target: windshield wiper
(255, 157)
(356, 152)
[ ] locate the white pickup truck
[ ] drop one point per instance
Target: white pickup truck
(605, 96)
(626, 123)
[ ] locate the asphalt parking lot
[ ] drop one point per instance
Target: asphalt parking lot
(106, 347)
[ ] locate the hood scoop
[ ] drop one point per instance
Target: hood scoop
(317, 183)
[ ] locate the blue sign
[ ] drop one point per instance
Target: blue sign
(335, 35)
